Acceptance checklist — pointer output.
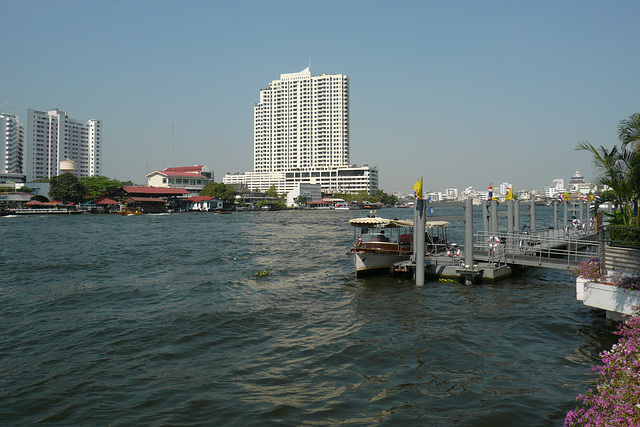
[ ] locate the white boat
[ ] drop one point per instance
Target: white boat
(379, 243)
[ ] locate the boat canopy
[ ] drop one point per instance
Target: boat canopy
(393, 223)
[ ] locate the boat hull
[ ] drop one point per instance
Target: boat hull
(369, 263)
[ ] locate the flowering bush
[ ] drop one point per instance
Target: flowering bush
(628, 282)
(590, 270)
(616, 398)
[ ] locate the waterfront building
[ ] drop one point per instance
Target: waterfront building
(436, 196)
(312, 193)
(451, 193)
(338, 180)
(53, 137)
(204, 204)
(192, 178)
(556, 187)
(11, 145)
(577, 184)
(301, 135)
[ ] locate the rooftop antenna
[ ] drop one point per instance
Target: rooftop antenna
(7, 103)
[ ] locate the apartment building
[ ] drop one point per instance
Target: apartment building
(53, 136)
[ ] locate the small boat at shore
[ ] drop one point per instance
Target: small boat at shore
(379, 243)
(127, 212)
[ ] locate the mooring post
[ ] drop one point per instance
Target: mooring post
(468, 233)
(532, 215)
(485, 216)
(555, 214)
(494, 222)
(509, 242)
(414, 242)
(494, 217)
(419, 227)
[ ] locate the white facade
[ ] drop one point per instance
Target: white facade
(192, 178)
(11, 144)
(302, 122)
(337, 180)
(301, 135)
(53, 137)
(313, 193)
(451, 193)
(556, 187)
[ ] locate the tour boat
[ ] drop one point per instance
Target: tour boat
(379, 243)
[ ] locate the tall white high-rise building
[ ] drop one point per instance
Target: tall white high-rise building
(302, 123)
(301, 135)
(11, 144)
(53, 137)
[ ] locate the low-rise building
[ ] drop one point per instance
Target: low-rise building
(192, 178)
(332, 180)
(204, 204)
(310, 192)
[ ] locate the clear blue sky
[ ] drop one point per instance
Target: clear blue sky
(461, 92)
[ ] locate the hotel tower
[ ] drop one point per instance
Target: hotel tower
(301, 135)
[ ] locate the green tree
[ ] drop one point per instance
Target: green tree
(272, 192)
(629, 135)
(629, 131)
(100, 186)
(220, 191)
(301, 200)
(619, 168)
(67, 188)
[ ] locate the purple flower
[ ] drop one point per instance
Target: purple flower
(616, 398)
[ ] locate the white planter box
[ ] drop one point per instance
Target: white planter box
(607, 297)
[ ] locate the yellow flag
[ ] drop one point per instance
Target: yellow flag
(417, 189)
(509, 194)
(591, 197)
(567, 197)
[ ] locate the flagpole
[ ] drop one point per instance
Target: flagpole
(419, 227)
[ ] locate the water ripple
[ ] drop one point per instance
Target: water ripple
(161, 320)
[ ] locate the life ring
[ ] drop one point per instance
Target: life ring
(576, 223)
(453, 250)
(493, 241)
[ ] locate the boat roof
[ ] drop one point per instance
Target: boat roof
(391, 223)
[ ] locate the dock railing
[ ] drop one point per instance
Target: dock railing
(552, 248)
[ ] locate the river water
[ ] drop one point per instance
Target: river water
(160, 320)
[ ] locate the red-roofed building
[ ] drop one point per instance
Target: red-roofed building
(133, 191)
(173, 198)
(104, 205)
(146, 204)
(192, 178)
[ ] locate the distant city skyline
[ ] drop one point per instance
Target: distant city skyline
(462, 93)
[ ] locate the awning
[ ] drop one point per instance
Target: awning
(391, 223)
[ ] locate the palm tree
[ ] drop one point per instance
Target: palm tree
(629, 131)
(629, 134)
(615, 171)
